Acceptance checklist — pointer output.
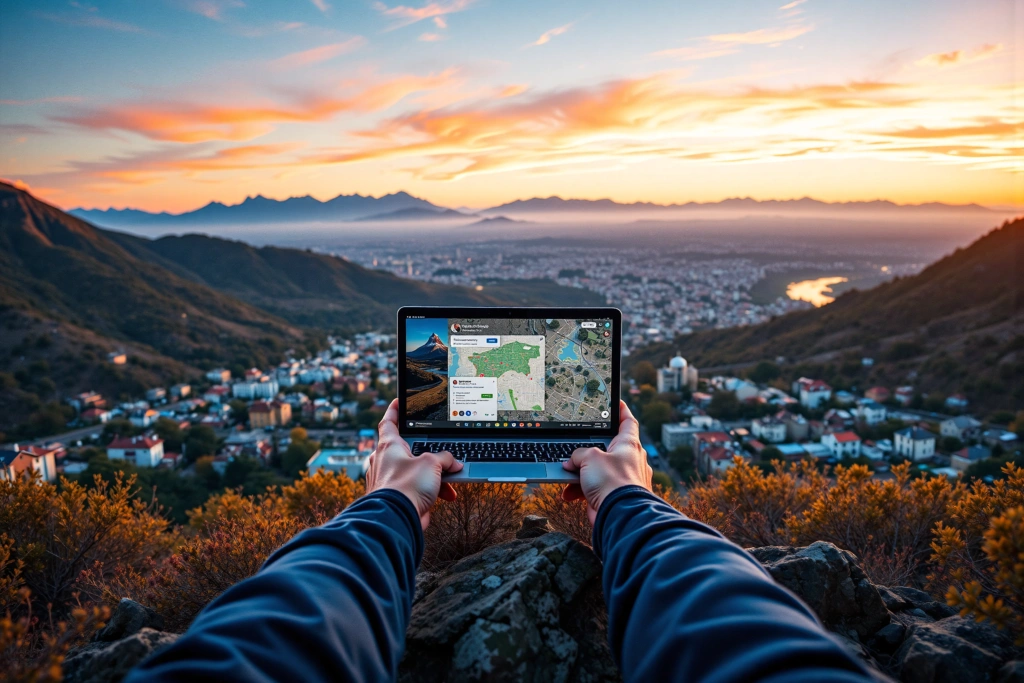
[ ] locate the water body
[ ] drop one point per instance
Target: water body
(568, 353)
(818, 292)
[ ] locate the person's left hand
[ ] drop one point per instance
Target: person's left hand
(393, 466)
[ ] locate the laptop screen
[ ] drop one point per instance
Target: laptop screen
(522, 373)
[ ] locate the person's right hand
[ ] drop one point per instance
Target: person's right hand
(602, 472)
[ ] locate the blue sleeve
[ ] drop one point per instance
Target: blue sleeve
(332, 604)
(685, 604)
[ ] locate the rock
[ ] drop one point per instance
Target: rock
(888, 638)
(952, 650)
(923, 601)
(529, 609)
(831, 582)
(533, 526)
(109, 662)
(893, 601)
(1012, 672)
(129, 617)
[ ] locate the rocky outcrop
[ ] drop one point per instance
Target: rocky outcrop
(527, 610)
(532, 610)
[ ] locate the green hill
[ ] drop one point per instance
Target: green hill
(958, 326)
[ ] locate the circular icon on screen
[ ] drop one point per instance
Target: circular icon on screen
(604, 413)
(455, 381)
(456, 328)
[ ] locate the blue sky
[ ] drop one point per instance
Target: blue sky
(169, 104)
(418, 331)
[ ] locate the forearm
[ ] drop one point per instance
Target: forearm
(686, 604)
(331, 604)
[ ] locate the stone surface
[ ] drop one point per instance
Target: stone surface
(889, 637)
(924, 602)
(831, 582)
(1011, 672)
(109, 662)
(952, 650)
(533, 526)
(128, 617)
(527, 610)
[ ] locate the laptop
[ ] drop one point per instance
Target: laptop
(511, 392)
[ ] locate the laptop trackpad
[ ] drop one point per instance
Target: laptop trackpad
(487, 470)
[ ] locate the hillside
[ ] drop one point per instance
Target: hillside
(959, 325)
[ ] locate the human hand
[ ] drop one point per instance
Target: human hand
(393, 466)
(601, 472)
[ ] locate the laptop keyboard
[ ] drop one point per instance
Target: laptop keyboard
(503, 451)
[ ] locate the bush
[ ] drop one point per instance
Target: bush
(481, 515)
(567, 517)
(320, 494)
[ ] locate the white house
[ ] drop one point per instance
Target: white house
(915, 443)
(257, 387)
(812, 392)
(742, 388)
(143, 417)
(144, 451)
(870, 412)
(842, 444)
(960, 427)
(957, 402)
(769, 429)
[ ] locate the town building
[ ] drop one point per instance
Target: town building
(914, 443)
(350, 461)
(844, 398)
(117, 357)
(965, 457)
(263, 414)
(95, 415)
(797, 428)
(219, 376)
(217, 394)
(18, 463)
(957, 402)
(713, 451)
(842, 444)
(999, 437)
(812, 392)
(870, 412)
(677, 376)
(156, 394)
(144, 451)
(770, 429)
(179, 391)
(961, 427)
(325, 412)
(904, 395)
(879, 394)
(252, 387)
(86, 400)
(143, 417)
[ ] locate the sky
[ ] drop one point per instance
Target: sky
(166, 105)
(418, 331)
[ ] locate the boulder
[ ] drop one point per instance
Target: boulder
(831, 582)
(128, 617)
(526, 610)
(1012, 672)
(918, 599)
(951, 650)
(534, 526)
(109, 662)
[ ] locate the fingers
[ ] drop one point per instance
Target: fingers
(575, 461)
(447, 461)
(388, 427)
(447, 492)
(627, 423)
(572, 492)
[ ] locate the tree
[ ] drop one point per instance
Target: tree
(644, 373)
(300, 450)
(593, 385)
(661, 479)
(681, 460)
(206, 473)
(239, 410)
(655, 414)
(764, 372)
(170, 431)
(951, 444)
(724, 405)
(239, 469)
(200, 440)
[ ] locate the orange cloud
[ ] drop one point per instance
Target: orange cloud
(193, 123)
(431, 37)
(634, 120)
(548, 35)
(512, 90)
(942, 59)
(404, 16)
(317, 54)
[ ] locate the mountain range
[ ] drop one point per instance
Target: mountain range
(955, 327)
(71, 292)
(402, 206)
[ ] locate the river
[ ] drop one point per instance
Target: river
(817, 292)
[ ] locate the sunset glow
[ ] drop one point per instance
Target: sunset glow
(168, 105)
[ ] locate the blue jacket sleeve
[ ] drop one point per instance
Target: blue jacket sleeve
(330, 605)
(685, 604)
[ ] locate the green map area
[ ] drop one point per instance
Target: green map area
(513, 357)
